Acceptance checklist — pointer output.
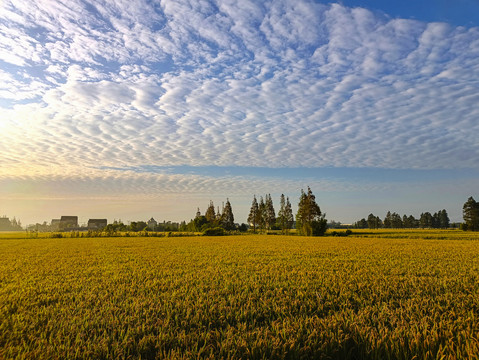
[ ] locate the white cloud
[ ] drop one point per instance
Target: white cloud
(285, 84)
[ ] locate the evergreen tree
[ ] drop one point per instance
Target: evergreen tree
(426, 220)
(443, 219)
(396, 221)
(270, 216)
(372, 221)
(388, 220)
(253, 214)
(412, 221)
(262, 214)
(285, 215)
(288, 213)
(227, 218)
(309, 220)
(210, 213)
(379, 222)
(361, 224)
(281, 214)
(470, 213)
(435, 220)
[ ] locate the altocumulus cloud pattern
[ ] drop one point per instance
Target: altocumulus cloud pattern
(90, 89)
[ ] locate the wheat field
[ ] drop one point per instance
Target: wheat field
(371, 295)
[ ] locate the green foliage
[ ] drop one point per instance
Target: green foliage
(309, 220)
(254, 217)
(285, 215)
(210, 213)
(242, 297)
(227, 218)
(269, 213)
(470, 212)
(217, 231)
(340, 233)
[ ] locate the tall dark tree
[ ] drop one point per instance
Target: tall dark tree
(288, 210)
(253, 214)
(261, 214)
(374, 222)
(210, 213)
(426, 220)
(281, 214)
(270, 216)
(388, 220)
(361, 224)
(443, 219)
(227, 218)
(309, 219)
(396, 221)
(470, 213)
(285, 215)
(413, 221)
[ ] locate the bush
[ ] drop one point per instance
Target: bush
(217, 231)
(340, 233)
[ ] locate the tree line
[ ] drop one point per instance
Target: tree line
(310, 221)
(438, 220)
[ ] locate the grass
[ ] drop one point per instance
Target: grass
(367, 296)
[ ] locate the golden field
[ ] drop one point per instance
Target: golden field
(372, 295)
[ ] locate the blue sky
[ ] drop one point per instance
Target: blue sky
(133, 109)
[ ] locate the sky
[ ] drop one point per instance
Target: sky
(131, 109)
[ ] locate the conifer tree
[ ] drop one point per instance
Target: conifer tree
(227, 218)
(261, 213)
(388, 220)
(443, 219)
(372, 221)
(253, 213)
(210, 213)
(270, 216)
(282, 214)
(309, 220)
(288, 210)
(470, 213)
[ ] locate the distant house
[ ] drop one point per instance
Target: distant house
(97, 224)
(5, 223)
(152, 223)
(68, 223)
(55, 225)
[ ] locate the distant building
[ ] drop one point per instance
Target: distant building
(97, 224)
(5, 223)
(55, 225)
(68, 223)
(152, 223)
